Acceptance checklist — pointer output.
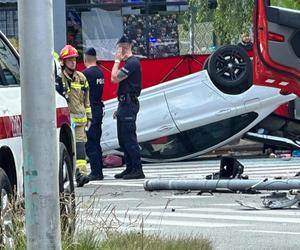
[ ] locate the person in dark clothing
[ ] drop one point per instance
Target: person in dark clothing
(93, 148)
(246, 42)
(128, 78)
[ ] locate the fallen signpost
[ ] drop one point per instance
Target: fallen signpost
(274, 201)
(221, 184)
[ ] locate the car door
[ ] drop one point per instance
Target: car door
(153, 121)
(195, 101)
(10, 105)
(277, 46)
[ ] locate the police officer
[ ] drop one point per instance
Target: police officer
(95, 78)
(74, 87)
(128, 78)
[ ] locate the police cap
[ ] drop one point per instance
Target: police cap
(124, 39)
(90, 52)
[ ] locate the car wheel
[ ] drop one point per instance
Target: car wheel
(6, 217)
(230, 69)
(66, 190)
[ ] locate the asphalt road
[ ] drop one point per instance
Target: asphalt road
(125, 205)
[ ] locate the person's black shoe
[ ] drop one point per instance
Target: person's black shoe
(78, 174)
(82, 180)
(125, 172)
(95, 177)
(134, 174)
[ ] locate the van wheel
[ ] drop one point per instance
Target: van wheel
(6, 217)
(66, 191)
(230, 69)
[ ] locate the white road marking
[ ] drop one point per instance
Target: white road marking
(212, 216)
(190, 223)
(160, 207)
(120, 199)
(116, 183)
(282, 212)
(147, 170)
(187, 197)
(270, 232)
(226, 204)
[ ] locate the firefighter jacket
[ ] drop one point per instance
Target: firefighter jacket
(76, 91)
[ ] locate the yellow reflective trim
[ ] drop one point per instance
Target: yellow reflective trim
(76, 85)
(86, 84)
(79, 120)
(81, 162)
(55, 55)
(88, 110)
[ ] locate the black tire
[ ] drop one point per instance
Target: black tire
(230, 69)
(6, 217)
(66, 191)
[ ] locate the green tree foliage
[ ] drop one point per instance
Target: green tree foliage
(232, 17)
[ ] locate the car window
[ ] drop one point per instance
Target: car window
(197, 139)
(9, 66)
(295, 5)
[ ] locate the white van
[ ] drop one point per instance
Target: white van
(11, 170)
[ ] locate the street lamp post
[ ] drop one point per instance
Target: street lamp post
(40, 151)
(192, 12)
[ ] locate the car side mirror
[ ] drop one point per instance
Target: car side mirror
(212, 4)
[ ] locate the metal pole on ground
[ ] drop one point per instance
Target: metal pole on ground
(221, 184)
(40, 151)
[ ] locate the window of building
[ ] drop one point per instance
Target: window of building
(102, 22)
(9, 23)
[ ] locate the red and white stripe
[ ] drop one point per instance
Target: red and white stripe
(11, 126)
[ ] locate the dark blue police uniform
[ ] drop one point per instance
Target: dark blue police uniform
(95, 78)
(128, 108)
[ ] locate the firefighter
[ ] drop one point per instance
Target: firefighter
(128, 78)
(74, 87)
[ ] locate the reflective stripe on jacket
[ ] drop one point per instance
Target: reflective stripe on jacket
(77, 89)
(79, 119)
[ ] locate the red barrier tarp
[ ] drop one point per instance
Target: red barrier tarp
(154, 71)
